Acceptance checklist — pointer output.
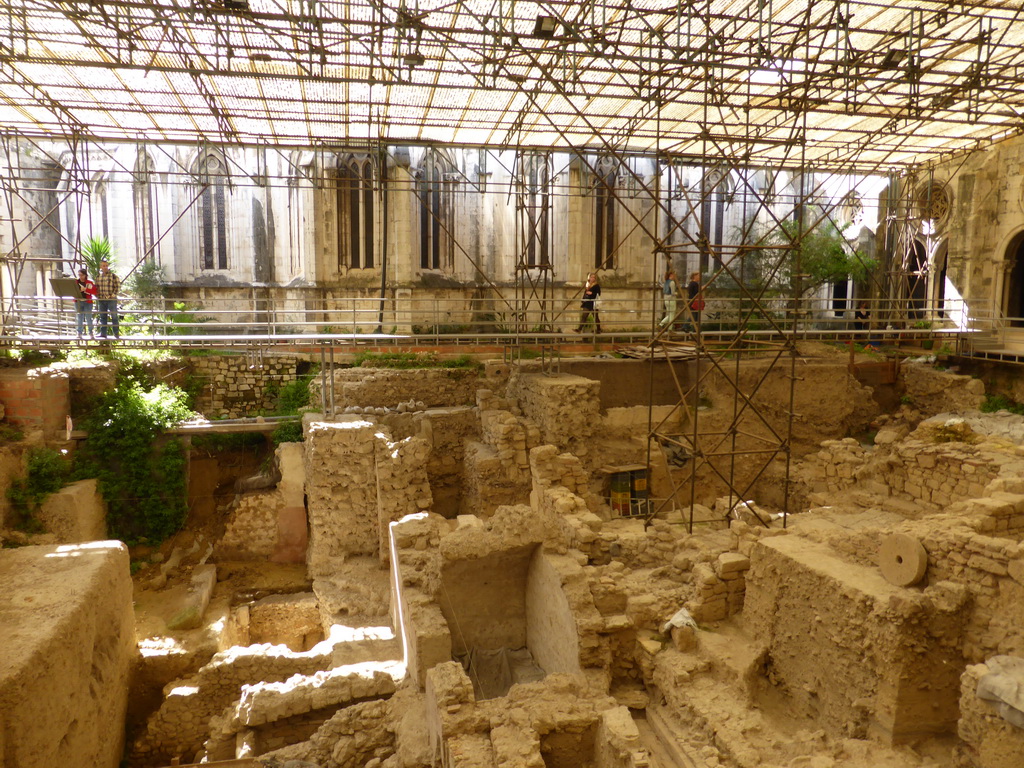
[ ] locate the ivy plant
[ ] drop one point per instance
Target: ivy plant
(141, 472)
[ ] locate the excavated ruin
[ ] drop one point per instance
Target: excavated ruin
(438, 578)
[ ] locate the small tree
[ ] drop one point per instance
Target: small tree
(822, 255)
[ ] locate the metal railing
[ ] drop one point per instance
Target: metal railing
(449, 320)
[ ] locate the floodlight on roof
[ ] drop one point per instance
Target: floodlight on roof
(545, 26)
(414, 59)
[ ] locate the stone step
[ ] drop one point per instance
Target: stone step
(663, 742)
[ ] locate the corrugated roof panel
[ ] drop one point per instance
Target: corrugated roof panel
(904, 83)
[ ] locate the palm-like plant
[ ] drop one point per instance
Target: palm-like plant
(93, 251)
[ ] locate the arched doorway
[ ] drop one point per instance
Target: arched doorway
(940, 265)
(1013, 296)
(917, 282)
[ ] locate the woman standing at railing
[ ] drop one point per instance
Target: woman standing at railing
(669, 290)
(83, 304)
(588, 307)
(694, 301)
(861, 317)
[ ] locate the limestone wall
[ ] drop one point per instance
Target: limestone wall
(565, 408)
(931, 474)
(496, 470)
(989, 740)
(387, 387)
(447, 431)
(354, 737)
(824, 620)
(68, 645)
(932, 391)
(292, 620)
(293, 710)
(358, 481)
(241, 385)
(969, 549)
(182, 723)
(251, 529)
(75, 513)
(554, 722)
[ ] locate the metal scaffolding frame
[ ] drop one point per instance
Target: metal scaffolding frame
(809, 87)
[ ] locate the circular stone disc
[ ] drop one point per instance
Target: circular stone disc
(902, 559)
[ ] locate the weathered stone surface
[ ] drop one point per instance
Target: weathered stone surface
(71, 606)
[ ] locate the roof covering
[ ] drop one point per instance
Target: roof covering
(831, 83)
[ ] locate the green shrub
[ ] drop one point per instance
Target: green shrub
(141, 476)
(411, 360)
(288, 432)
(47, 473)
(995, 403)
(294, 395)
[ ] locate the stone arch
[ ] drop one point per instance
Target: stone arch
(1012, 304)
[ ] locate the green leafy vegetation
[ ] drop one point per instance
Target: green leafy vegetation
(995, 403)
(411, 360)
(822, 254)
(293, 396)
(141, 473)
(47, 473)
(93, 251)
(10, 434)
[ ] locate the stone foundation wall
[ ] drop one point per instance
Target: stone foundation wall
(932, 391)
(292, 711)
(822, 619)
(68, 646)
(292, 620)
(182, 723)
(967, 549)
(240, 385)
(989, 740)
(353, 737)
(933, 475)
(387, 388)
(565, 408)
(75, 513)
(359, 481)
(251, 529)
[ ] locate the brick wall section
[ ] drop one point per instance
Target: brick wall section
(35, 398)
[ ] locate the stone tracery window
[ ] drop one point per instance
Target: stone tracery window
(934, 202)
(211, 172)
(605, 199)
(146, 218)
(536, 200)
(356, 206)
(435, 187)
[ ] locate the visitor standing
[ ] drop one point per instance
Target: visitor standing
(83, 304)
(862, 317)
(694, 300)
(588, 307)
(107, 287)
(670, 289)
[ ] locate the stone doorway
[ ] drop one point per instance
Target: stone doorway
(1013, 293)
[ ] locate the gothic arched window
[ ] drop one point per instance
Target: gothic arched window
(356, 212)
(435, 185)
(605, 198)
(211, 172)
(146, 222)
(536, 200)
